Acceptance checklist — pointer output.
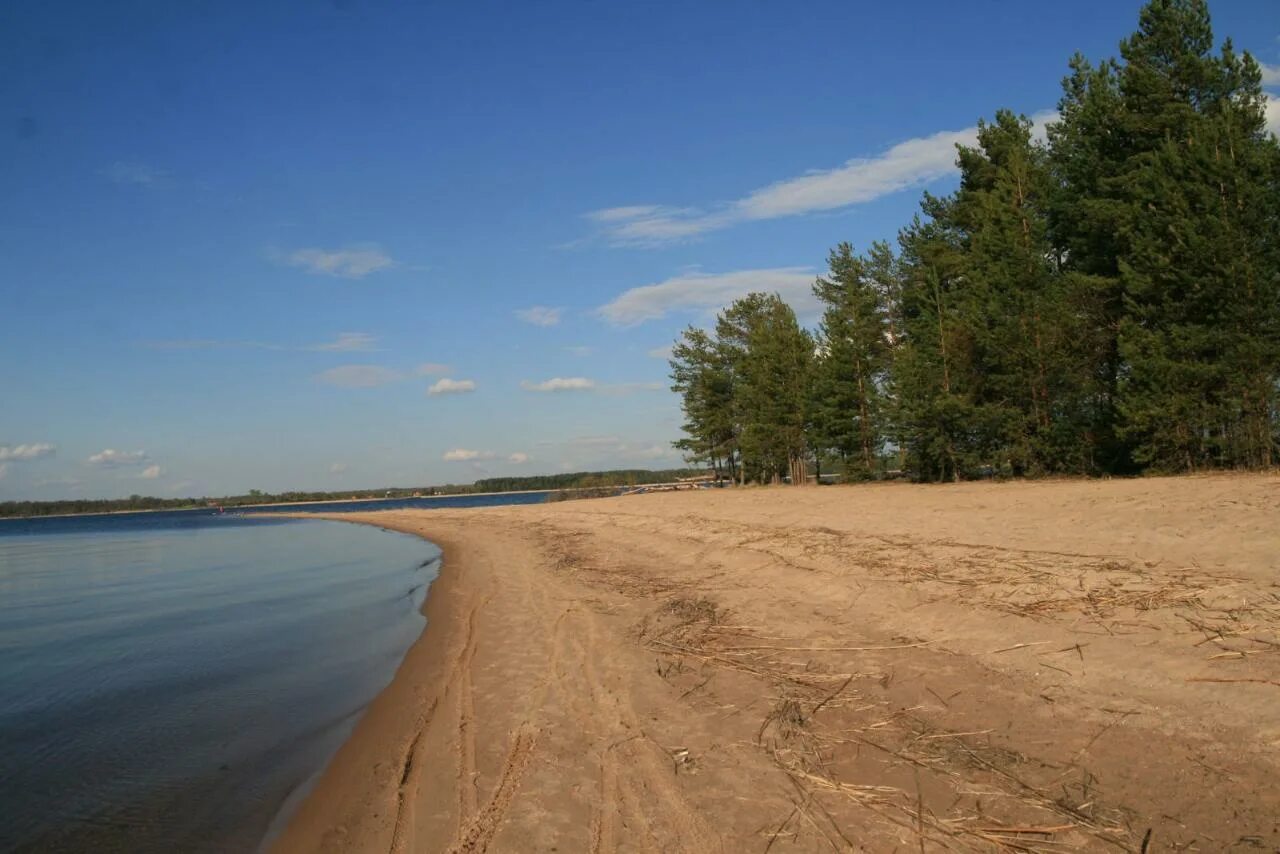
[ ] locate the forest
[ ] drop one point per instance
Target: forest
(582, 480)
(1100, 296)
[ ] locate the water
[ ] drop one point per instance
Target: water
(168, 679)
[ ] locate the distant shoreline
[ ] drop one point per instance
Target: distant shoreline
(235, 507)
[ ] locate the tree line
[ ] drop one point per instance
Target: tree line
(1102, 299)
(563, 480)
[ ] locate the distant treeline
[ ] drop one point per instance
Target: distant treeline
(1104, 300)
(583, 479)
(621, 477)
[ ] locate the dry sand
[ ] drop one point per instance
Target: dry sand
(1027, 667)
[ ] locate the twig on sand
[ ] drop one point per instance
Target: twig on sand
(831, 696)
(773, 837)
(1216, 679)
(1019, 646)
(829, 648)
(1045, 831)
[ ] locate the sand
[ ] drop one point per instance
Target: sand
(1028, 667)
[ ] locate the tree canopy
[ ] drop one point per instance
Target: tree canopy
(1098, 296)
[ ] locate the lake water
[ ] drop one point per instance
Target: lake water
(167, 680)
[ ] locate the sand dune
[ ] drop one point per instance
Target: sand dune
(1027, 666)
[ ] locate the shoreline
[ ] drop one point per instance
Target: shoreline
(529, 714)
(391, 711)
(237, 507)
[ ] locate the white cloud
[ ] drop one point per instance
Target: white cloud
(135, 174)
(151, 472)
(1270, 74)
(1273, 113)
(696, 291)
(111, 458)
(559, 384)
(448, 386)
(348, 342)
(432, 369)
(912, 163)
(337, 468)
(661, 352)
(358, 376)
(353, 262)
(26, 452)
(518, 457)
(540, 315)
(462, 455)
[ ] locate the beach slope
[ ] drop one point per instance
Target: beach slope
(975, 667)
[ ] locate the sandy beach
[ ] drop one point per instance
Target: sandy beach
(1082, 665)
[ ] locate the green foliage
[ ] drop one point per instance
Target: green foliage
(1104, 301)
(853, 342)
(744, 391)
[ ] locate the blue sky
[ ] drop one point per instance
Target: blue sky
(354, 244)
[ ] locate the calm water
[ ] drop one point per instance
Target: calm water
(168, 679)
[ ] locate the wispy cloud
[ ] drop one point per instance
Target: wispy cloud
(448, 386)
(559, 384)
(586, 450)
(152, 472)
(463, 455)
(623, 214)
(624, 389)
(346, 342)
(911, 163)
(110, 458)
(352, 262)
(595, 441)
(432, 369)
(4, 470)
(72, 483)
(519, 457)
(697, 291)
(359, 376)
(26, 452)
(580, 350)
(135, 174)
(337, 468)
(540, 315)
(661, 352)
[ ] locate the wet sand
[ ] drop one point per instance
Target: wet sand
(976, 667)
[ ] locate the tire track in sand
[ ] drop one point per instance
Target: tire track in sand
(479, 832)
(410, 772)
(468, 780)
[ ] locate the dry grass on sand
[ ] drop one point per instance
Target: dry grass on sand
(983, 667)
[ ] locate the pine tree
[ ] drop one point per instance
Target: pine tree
(773, 388)
(1106, 302)
(934, 411)
(705, 385)
(1199, 268)
(849, 377)
(1021, 325)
